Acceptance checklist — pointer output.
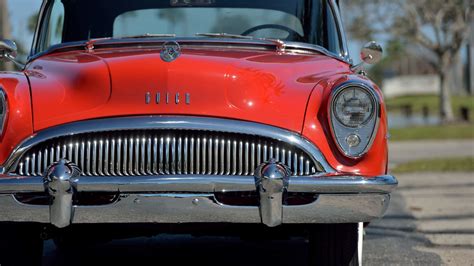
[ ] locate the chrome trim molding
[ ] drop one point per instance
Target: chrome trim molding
(195, 208)
(172, 123)
(341, 32)
(178, 199)
(328, 184)
(196, 43)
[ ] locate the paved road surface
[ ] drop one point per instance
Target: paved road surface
(430, 222)
(390, 241)
(406, 151)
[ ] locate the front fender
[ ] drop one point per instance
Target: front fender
(317, 129)
(19, 124)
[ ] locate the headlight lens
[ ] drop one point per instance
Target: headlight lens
(353, 106)
(354, 117)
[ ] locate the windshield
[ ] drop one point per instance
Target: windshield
(306, 21)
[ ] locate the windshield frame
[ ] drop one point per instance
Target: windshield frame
(45, 10)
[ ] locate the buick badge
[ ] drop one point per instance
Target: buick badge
(170, 51)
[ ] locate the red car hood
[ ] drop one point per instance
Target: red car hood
(260, 86)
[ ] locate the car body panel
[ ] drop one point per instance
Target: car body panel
(285, 90)
(317, 129)
(258, 86)
(19, 124)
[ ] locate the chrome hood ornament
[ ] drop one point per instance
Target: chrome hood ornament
(170, 51)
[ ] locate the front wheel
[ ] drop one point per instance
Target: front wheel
(335, 244)
(20, 245)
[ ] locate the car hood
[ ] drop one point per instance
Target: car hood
(261, 86)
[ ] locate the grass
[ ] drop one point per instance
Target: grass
(437, 165)
(454, 131)
(432, 102)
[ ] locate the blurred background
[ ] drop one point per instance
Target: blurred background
(427, 77)
(429, 53)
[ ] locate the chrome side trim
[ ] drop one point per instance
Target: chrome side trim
(168, 122)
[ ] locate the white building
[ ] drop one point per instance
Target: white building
(411, 85)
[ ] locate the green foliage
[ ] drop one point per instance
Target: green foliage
(432, 102)
(437, 165)
(395, 49)
(32, 21)
(456, 131)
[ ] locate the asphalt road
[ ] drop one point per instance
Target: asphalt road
(388, 242)
(406, 151)
(430, 222)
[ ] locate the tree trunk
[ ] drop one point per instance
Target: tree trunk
(446, 109)
(470, 59)
(455, 76)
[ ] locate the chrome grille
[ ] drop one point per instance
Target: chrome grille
(164, 152)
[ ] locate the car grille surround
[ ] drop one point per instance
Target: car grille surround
(165, 152)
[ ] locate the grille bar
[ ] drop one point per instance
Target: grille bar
(155, 152)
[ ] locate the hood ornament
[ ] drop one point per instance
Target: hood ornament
(170, 51)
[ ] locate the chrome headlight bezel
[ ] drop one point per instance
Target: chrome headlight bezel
(366, 130)
(3, 111)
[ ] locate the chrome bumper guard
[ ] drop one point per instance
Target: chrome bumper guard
(191, 199)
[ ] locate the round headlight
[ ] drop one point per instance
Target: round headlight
(353, 106)
(354, 115)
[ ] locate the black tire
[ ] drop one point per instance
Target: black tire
(334, 244)
(65, 243)
(71, 240)
(20, 245)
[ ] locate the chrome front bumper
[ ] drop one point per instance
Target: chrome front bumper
(191, 199)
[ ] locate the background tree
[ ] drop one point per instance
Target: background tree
(440, 27)
(32, 21)
(5, 30)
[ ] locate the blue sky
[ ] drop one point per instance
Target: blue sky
(20, 11)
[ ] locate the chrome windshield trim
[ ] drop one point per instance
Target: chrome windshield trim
(189, 41)
(342, 36)
(36, 37)
(169, 122)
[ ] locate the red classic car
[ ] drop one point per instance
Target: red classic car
(190, 116)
